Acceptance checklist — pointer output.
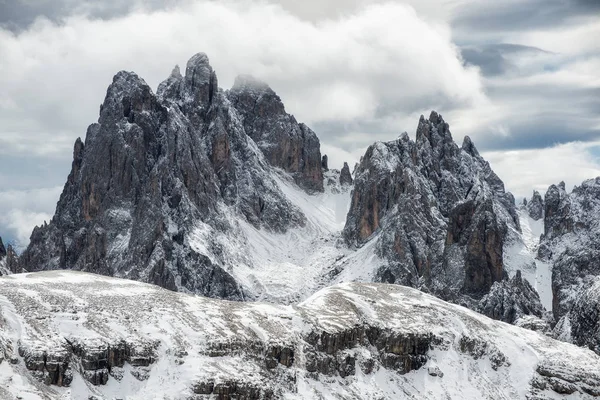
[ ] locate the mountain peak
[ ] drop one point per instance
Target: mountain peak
(250, 83)
(198, 60)
(469, 147)
(176, 72)
(434, 130)
(2, 249)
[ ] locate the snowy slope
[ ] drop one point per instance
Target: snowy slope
(520, 253)
(351, 341)
(288, 267)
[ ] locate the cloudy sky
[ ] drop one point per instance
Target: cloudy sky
(519, 76)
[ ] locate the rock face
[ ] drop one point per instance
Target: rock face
(9, 263)
(571, 245)
(345, 175)
(438, 212)
(581, 324)
(571, 240)
(71, 334)
(535, 206)
(156, 165)
(510, 300)
(3, 269)
(285, 143)
(324, 161)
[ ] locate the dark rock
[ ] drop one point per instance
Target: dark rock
(50, 366)
(345, 176)
(439, 213)
(2, 249)
(571, 241)
(285, 143)
(154, 166)
(557, 212)
(510, 300)
(12, 260)
(402, 353)
(581, 324)
(478, 348)
(535, 207)
(324, 162)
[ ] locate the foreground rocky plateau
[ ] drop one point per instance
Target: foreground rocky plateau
(67, 334)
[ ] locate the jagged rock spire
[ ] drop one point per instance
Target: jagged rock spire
(157, 166)
(438, 212)
(324, 161)
(345, 175)
(286, 144)
(535, 207)
(2, 249)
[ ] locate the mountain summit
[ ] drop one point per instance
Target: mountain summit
(225, 194)
(157, 165)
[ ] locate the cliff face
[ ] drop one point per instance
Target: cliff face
(74, 335)
(225, 194)
(438, 212)
(286, 144)
(155, 165)
(571, 246)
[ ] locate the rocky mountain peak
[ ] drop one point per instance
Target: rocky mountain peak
(434, 131)
(557, 218)
(535, 206)
(126, 96)
(286, 144)
(155, 168)
(345, 175)
(511, 299)
(200, 80)
(438, 213)
(469, 147)
(2, 249)
(248, 83)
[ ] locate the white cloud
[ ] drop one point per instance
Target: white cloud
(526, 170)
(343, 69)
(24, 209)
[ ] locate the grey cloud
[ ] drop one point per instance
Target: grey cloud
(524, 15)
(31, 171)
(492, 58)
(18, 15)
(539, 132)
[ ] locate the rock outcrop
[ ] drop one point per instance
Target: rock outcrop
(112, 336)
(345, 175)
(438, 212)
(9, 260)
(581, 324)
(285, 143)
(535, 206)
(571, 246)
(157, 165)
(324, 161)
(3, 269)
(571, 241)
(511, 299)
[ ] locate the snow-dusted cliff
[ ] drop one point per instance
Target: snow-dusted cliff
(88, 336)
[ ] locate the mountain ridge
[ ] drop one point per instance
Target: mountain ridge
(86, 335)
(223, 193)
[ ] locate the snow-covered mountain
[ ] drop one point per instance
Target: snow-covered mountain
(92, 337)
(222, 193)
(571, 246)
